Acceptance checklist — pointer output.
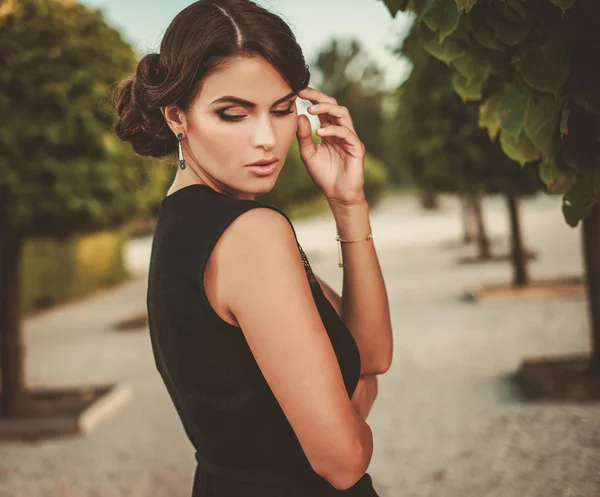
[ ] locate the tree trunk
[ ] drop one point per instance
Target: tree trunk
(429, 199)
(483, 242)
(519, 259)
(469, 220)
(591, 253)
(12, 351)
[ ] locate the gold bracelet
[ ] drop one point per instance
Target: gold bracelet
(339, 240)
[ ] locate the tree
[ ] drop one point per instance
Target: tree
(531, 66)
(447, 150)
(349, 75)
(62, 170)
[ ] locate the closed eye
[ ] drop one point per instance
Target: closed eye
(238, 117)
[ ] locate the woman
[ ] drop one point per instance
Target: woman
(271, 372)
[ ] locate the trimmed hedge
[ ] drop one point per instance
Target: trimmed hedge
(55, 271)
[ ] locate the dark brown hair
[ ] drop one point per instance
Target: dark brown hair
(199, 40)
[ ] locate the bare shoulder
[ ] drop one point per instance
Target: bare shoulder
(242, 243)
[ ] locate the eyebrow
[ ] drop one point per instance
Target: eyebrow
(248, 104)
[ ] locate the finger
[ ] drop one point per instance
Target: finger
(342, 114)
(353, 145)
(315, 96)
(305, 141)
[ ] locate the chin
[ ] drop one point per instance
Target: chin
(265, 185)
(264, 190)
(251, 190)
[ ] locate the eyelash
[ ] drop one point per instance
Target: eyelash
(225, 117)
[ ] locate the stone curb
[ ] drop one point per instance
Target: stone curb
(83, 422)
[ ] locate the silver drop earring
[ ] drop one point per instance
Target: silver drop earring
(181, 160)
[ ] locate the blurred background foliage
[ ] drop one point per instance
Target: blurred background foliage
(55, 271)
(63, 173)
(531, 67)
(443, 146)
(62, 170)
(446, 150)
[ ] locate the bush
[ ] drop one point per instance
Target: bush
(376, 179)
(56, 271)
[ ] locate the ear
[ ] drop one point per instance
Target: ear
(175, 118)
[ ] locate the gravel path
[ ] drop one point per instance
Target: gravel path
(447, 421)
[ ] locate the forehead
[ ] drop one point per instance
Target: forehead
(252, 79)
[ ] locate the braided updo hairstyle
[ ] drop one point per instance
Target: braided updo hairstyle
(201, 38)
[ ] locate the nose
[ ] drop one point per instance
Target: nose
(264, 134)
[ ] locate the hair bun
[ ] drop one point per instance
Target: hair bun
(141, 122)
(149, 70)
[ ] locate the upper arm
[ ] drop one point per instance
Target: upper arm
(267, 290)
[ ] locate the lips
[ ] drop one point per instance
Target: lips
(263, 162)
(266, 169)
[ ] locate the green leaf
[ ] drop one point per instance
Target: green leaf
(488, 115)
(563, 5)
(553, 177)
(578, 201)
(511, 110)
(472, 68)
(461, 33)
(572, 215)
(500, 61)
(420, 7)
(465, 89)
(511, 10)
(545, 65)
(511, 33)
(542, 119)
(446, 51)
(443, 17)
(465, 5)
(519, 148)
(484, 35)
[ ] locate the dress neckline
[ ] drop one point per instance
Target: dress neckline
(193, 186)
(197, 186)
(171, 197)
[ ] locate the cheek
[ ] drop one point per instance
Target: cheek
(212, 137)
(287, 132)
(212, 129)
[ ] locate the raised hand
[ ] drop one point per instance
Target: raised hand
(336, 165)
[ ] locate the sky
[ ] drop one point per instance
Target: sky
(313, 22)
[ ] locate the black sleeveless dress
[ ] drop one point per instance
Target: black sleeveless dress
(245, 447)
